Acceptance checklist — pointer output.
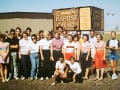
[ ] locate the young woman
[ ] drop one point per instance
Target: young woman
(113, 45)
(85, 56)
(45, 55)
(4, 58)
(24, 51)
(76, 71)
(77, 45)
(69, 49)
(99, 57)
(34, 57)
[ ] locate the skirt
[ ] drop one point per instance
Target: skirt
(99, 62)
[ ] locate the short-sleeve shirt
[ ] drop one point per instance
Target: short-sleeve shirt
(24, 46)
(34, 47)
(100, 45)
(60, 65)
(57, 44)
(85, 47)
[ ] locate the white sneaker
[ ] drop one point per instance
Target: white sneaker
(52, 76)
(114, 76)
(62, 82)
(23, 78)
(36, 78)
(46, 78)
(41, 78)
(16, 78)
(3, 81)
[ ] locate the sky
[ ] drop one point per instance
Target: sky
(111, 8)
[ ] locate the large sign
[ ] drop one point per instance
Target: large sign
(81, 18)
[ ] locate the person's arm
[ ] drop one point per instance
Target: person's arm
(88, 53)
(41, 52)
(51, 52)
(78, 52)
(104, 51)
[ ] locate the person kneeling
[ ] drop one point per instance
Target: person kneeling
(61, 70)
(76, 72)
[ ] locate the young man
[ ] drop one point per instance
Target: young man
(113, 46)
(14, 45)
(60, 73)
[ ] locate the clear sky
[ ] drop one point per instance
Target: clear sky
(111, 7)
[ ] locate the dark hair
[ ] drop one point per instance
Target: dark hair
(92, 31)
(72, 58)
(71, 36)
(18, 29)
(76, 36)
(12, 30)
(34, 35)
(100, 36)
(28, 28)
(86, 35)
(41, 31)
(113, 32)
(61, 55)
(2, 36)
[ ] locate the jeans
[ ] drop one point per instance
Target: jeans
(14, 59)
(34, 57)
(25, 65)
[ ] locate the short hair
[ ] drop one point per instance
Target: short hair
(18, 29)
(59, 27)
(12, 30)
(76, 36)
(28, 28)
(41, 31)
(100, 36)
(34, 35)
(61, 55)
(86, 35)
(24, 32)
(113, 32)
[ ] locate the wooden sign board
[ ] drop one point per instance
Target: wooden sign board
(81, 18)
(67, 18)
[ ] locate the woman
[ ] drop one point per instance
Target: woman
(45, 55)
(69, 49)
(77, 45)
(4, 58)
(24, 51)
(99, 57)
(85, 56)
(76, 71)
(34, 57)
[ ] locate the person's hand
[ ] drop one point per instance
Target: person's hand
(42, 58)
(51, 58)
(19, 56)
(86, 58)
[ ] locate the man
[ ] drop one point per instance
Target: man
(14, 45)
(113, 46)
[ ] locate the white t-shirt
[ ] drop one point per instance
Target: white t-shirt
(60, 66)
(69, 47)
(45, 44)
(92, 42)
(75, 67)
(34, 47)
(113, 43)
(24, 46)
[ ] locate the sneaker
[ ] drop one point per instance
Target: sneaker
(46, 78)
(53, 84)
(16, 78)
(52, 76)
(23, 78)
(36, 78)
(41, 78)
(3, 81)
(62, 82)
(114, 76)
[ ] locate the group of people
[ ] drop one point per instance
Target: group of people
(56, 54)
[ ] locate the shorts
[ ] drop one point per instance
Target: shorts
(113, 56)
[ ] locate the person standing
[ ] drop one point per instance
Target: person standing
(14, 47)
(4, 58)
(55, 49)
(34, 57)
(85, 56)
(113, 45)
(45, 56)
(99, 58)
(24, 51)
